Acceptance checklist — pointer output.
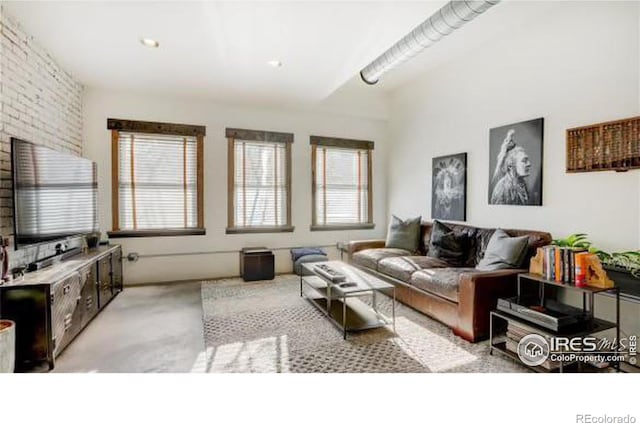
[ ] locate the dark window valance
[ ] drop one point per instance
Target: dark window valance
(341, 142)
(163, 128)
(253, 135)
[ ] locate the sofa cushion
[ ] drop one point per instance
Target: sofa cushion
(404, 234)
(442, 282)
(403, 267)
(448, 245)
(504, 252)
(370, 257)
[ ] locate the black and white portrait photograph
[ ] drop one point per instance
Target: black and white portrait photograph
(449, 187)
(515, 164)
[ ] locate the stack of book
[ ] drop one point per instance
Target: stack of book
(565, 264)
(515, 332)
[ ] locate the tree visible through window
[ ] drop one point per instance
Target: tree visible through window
(259, 181)
(341, 183)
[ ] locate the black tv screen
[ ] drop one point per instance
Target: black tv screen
(55, 195)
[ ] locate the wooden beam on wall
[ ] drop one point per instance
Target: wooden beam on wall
(341, 142)
(140, 126)
(253, 135)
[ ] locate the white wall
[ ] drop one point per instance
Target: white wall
(102, 104)
(578, 65)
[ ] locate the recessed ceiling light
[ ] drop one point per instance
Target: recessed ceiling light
(149, 42)
(274, 63)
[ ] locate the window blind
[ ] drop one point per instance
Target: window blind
(341, 185)
(157, 179)
(260, 183)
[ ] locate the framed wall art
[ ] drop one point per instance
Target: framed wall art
(449, 187)
(515, 164)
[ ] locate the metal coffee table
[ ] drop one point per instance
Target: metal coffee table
(344, 305)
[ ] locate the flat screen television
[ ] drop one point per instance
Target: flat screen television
(55, 194)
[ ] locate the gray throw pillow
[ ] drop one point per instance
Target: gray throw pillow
(504, 252)
(404, 234)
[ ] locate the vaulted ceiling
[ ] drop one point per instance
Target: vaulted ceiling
(220, 50)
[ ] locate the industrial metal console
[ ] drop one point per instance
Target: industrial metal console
(51, 306)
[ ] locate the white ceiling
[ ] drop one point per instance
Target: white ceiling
(219, 50)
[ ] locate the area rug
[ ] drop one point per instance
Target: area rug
(266, 327)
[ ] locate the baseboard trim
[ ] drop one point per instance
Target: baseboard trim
(181, 281)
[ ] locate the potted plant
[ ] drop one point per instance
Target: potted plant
(7, 346)
(624, 268)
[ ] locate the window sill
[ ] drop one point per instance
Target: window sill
(260, 230)
(156, 233)
(345, 227)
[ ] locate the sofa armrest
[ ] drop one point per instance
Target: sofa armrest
(478, 295)
(355, 246)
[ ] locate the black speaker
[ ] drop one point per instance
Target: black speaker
(257, 264)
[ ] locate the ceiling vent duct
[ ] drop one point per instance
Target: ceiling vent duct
(450, 17)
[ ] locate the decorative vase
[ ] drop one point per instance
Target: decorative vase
(7, 346)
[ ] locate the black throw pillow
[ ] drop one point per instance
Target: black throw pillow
(447, 245)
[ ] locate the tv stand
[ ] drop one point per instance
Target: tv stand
(52, 306)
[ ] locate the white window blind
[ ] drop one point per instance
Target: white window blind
(157, 181)
(341, 186)
(260, 184)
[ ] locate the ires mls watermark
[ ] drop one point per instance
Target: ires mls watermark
(534, 349)
(590, 418)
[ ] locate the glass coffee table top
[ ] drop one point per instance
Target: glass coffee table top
(355, 280)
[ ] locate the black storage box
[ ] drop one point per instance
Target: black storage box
(257, 264)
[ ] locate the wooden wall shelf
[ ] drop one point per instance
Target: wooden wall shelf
(613, 145)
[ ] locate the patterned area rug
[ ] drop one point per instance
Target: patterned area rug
(266, 327)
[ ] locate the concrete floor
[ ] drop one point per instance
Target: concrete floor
(155, 328)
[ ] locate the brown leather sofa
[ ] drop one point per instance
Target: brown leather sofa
(459, 297)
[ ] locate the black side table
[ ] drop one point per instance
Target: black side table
(257, 264)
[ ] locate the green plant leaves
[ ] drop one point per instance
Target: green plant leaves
(573, 240)
(629, 260)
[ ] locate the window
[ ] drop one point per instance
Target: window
(341, 184)
(259, 181)
(157, 178)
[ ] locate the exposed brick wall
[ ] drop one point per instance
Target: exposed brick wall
(39, 102)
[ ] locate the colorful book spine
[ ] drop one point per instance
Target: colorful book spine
(546, 270)
(558, 265)
(552, 267)
(565, 264)
(581, 268)
(572, 266)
